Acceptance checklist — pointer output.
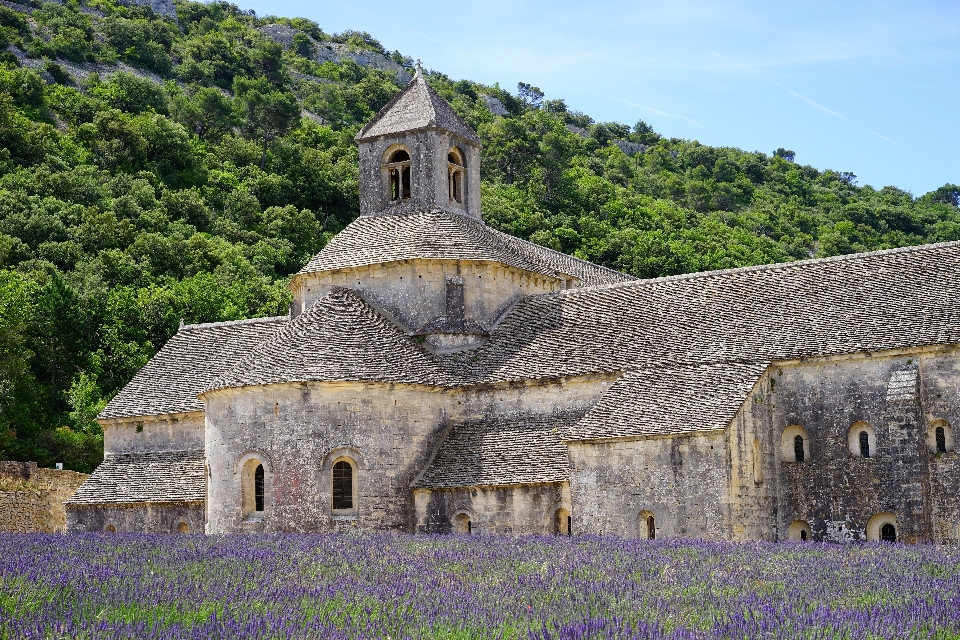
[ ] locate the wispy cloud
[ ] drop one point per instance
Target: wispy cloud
(665, 114)
(882, 137)
(816, 105)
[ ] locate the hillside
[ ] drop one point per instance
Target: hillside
(181, 165)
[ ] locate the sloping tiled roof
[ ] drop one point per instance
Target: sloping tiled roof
(170, 476)
(668, 329)
(415, 108)
(669, 401)
(338, 338)
(194, 357)
(501, 451)
(442, 235)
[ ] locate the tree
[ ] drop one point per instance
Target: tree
(531, 96)
(205, 111)
(266, 113)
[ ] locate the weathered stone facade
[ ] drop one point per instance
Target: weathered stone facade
(36, 506)
(435, 375)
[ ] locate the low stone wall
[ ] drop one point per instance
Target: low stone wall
(36, 505)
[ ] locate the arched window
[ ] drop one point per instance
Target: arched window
(800, 530)
(862, 440)
(561, 522)
(646, 525)
(462, 523)
(888, 533)
(940, 437)
(254, 478)
(110, 529)
(455, 173)
(182, 527)
(342, 485)
(882, 526)
(795, 444)
(397, 170)
(258, 477)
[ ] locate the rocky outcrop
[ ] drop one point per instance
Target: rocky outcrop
(335, 52)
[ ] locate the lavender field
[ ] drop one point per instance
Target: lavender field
(397, 586)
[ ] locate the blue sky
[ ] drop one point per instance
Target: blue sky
(867, 87)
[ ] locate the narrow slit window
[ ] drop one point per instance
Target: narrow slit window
(798, 448)
(651, 528)
(941, 440)
(803, 535)
(258, 487)
(864, 444)
(342, 485)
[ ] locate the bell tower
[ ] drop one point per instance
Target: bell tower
(417, 154)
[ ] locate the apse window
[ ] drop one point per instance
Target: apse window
(343, 486)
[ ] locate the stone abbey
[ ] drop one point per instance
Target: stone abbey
(436, 375)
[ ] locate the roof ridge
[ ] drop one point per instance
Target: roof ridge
(229, 323)
(773, 266)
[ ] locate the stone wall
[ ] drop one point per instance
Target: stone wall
(519, 509)
(38, 508)
(156, 517)
(834, 490)
(298, 431)
(147, 434)
(414, 291)
(682, 481)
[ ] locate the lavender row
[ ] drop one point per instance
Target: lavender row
(535, 588)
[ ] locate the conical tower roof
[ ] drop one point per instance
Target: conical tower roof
(418, 107)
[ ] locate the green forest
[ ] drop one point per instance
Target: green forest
(155, 169)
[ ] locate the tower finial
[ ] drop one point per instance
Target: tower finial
(419, 73)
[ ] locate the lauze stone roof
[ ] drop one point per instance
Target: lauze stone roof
(442, 235)
(194, 357)
(132, 478)
(416, 108)
(501, 451)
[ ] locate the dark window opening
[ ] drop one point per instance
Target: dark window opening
(399, 175)
(803, 534)
(888, 533)
(342, 485)
(258, 487)
(864, 444)
(455, 177)
(400, 183)
(798, 448)
(569, 525)
(941, 440)
(651, 528)
(469, 527)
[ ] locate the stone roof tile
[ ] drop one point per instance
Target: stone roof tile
(415, 108)
(170, 476)
(651, 402)
(194, 357)
(501, 451)
(339, 337)
(442, 235)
